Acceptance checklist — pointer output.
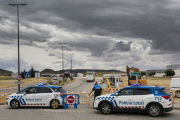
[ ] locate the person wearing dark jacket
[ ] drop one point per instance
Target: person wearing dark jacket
(97, 90)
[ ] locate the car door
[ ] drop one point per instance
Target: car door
(28, 96)
(124, 99)
(142, 96)
(44, 96)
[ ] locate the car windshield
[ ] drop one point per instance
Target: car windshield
(60, 89)
(22, 91)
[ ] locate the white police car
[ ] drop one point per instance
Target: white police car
(40, 95)
(151, 99)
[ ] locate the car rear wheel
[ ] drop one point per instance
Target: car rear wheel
(106, 108)
(154, 110)
(15, 104)
(52, 104)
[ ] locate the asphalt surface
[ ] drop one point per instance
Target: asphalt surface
(81, 113)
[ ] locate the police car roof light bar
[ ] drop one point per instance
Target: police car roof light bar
(41, 84)
(137, 84)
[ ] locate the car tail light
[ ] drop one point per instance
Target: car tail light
(166, 97)
(62, 94)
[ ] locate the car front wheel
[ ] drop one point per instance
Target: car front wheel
(52, 104)
(15, 104)
(106, 108)
(154, 110)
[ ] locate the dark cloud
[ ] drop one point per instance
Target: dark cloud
(121, 46)
(97, 25)
(150, 20)
(95, 45)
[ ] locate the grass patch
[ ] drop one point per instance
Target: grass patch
(160, 81)
(7, 78)
(9, 82)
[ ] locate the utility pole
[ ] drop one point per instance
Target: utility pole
(62, 61)
(18, 38)
(71, 64)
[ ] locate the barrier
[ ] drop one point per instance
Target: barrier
(175, 94)
(70, 99)
(3, 96)
(109, 90)
(83, 98)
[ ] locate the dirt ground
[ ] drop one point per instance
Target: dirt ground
(9, 82)
(160, 81)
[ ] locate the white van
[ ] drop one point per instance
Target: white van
(174, 85)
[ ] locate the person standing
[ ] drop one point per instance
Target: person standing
(97, 90)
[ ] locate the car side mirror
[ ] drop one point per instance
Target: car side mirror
(116, 94)
(24, 93)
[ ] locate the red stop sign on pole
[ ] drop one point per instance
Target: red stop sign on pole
(70, 99)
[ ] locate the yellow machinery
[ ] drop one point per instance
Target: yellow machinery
(109, 86)
(132, 79)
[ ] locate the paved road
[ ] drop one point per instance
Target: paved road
(80, 85)
(81, 113)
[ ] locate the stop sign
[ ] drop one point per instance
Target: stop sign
(62, 74)
(70, 99)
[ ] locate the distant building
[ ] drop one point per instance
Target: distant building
(156, 71)
(177, 73)
(159, 75)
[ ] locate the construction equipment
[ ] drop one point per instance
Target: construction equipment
(132, 79)
(110, 81)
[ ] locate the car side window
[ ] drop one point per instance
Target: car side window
(142, 91)
(32, 90)
(44, 90)
(127, 91)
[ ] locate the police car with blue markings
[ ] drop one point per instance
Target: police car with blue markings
(151, 99)
(40, 95)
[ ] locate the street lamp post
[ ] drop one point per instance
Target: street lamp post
(18, 38)
(71, 64)
(62, 61)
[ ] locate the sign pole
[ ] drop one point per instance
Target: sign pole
(37, 78)
(136, 79)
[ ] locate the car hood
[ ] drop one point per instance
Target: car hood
(13, 94)
(108, 95)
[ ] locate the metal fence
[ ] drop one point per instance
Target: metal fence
(3, 96)
(175, 94)
(109, 90)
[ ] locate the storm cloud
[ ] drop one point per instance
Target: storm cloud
(96, 31)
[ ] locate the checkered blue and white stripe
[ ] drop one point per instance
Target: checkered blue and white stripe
(21, 100)
(106, 98)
